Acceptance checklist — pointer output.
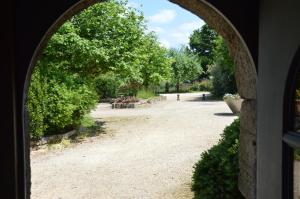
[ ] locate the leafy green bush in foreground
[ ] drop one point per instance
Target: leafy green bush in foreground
(216, 174)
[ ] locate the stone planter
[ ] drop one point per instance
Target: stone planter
(234, 102)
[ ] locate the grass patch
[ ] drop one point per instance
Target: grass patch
(88, 128)
(87, 121)
(145, 94)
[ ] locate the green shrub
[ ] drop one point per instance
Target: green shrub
(297, 154)
(145, 94)
(205, 85)
(36, 107)
(55, 105)
(107, 86)
(222, 71)
(216, 174)
(194, 87)
(223, 81)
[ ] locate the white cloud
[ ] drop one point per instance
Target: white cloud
(181, 37)
(133, 4)
(181, 34)
(163, 16)
(165, 43)
(190, 26)
(156, 29)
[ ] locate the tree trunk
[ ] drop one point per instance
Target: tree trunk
(167, 87)
(177, 87)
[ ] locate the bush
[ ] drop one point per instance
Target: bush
(145, 94)
(56, 106)
(223, 81)
(205, 85)
(216, 174)
(297, 154)
(194, 87)
(107, 86)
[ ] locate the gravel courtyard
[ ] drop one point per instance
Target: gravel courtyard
(146, 153)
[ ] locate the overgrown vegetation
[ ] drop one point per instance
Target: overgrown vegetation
(103, 51)
(215, 59)
(106, 51)
(216, 174)
(185, 66)
(145, 94)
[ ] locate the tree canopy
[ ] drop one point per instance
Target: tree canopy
(105, 50)
(106, 38)
(185, 66)
(202, 43)
(222, 71)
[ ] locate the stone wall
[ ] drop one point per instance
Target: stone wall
(247, 156)
(246, 78)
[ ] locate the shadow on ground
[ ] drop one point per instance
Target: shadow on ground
(224, 114)
(92, 131)
(207, 98)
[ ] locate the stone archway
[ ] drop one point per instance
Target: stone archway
(246, 78)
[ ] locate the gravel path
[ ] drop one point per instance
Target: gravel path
(146, 153)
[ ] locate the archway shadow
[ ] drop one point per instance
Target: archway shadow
(225, 114)
(207, 98)
(200, 99)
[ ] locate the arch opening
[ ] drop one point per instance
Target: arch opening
(245, 67)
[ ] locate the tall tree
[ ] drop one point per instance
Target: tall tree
(185, 66)
(106, 38)
(222, 71)
(156, 65)
(202, 43)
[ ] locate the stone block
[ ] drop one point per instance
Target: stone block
(248, 116)
(247, 181)
(247, 153)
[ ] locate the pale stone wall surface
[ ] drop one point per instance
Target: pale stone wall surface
(246, 79)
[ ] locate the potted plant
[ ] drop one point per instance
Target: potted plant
(234, 102)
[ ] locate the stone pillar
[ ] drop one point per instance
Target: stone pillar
(247, 155)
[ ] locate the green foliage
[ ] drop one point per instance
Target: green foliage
(216, 174)
(202, 43)
(87, 121)
(55, 105)
(185, 66)
(154, 61)
(145, 94)
(205, 85)
(107, 85)
(297, 94)
(105, 49)
(297, 154)
(215, 60)
(222, 71)
(36, 106)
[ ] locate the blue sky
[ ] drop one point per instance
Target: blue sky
(172, 24)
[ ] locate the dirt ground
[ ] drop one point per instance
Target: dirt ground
(146, 153)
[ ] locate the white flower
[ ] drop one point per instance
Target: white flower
(231, 96)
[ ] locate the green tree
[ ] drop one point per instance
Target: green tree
(156, 65)
(107, 38)
(202, 43)
(222, 71)
(185, 66)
